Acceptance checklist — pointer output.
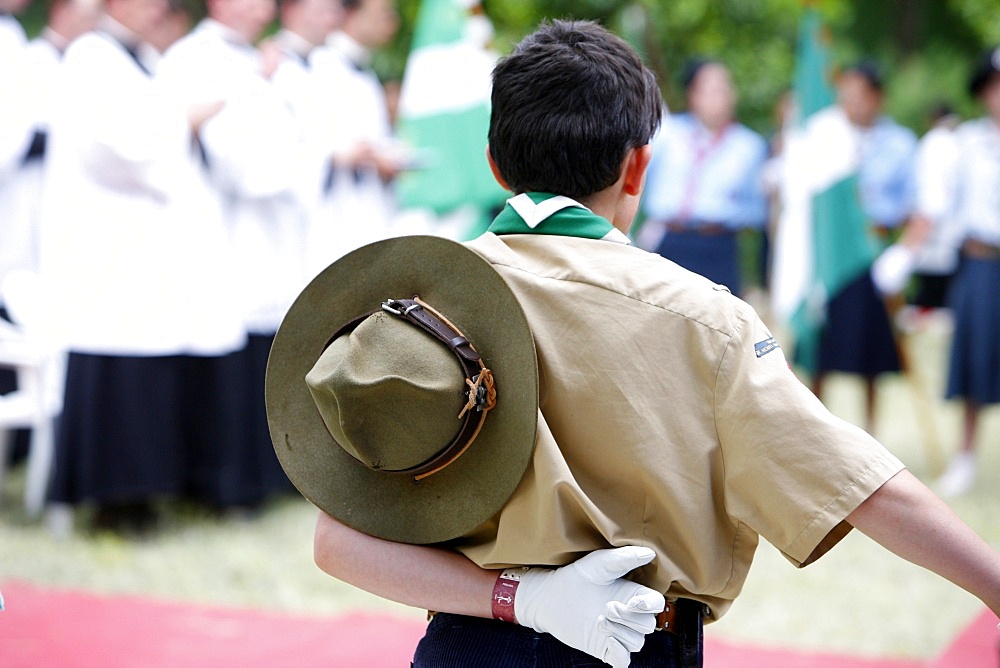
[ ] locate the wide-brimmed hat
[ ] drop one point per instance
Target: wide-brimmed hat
(402, 390)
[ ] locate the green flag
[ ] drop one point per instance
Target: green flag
(812, 88)
(823, 240)
(444, 112)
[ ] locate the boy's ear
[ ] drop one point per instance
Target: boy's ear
(635, 169)
(493, 168)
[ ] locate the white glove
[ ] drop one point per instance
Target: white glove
(892, 269)
(589, 606)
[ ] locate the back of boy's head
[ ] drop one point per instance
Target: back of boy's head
(568, 105)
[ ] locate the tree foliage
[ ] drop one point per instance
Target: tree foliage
(925, 47)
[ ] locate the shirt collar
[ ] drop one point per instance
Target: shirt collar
(294, 44)
(350, 48)
(542, 213)
(226, 33)
(58, 42)
(126, 36)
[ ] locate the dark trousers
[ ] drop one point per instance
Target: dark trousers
(456, 641)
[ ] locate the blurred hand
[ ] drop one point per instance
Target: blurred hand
(916, 231)
(270, 57)
(388, 165)
(199, 114)
(360, 154)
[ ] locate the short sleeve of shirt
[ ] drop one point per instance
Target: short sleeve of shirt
(793, 471)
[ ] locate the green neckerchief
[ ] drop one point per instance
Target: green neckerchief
(543, 213)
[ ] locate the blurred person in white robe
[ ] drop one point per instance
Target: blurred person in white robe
(18, 125)
(250, 149)
(15, 138)
(134, 256)
(359, 205)
(305, 26)
(252, 152)
(66, 20)
(21, 204)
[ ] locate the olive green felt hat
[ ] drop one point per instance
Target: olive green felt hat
(402, 390)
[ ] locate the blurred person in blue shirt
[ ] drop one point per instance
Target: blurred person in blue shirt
(887, 149)
(858, 337)
(704, 183)
(974, 363)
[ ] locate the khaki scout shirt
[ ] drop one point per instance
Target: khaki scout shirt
(669, 418)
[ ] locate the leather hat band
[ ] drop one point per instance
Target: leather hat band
(481, 392)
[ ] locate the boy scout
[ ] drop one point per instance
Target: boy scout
(669, 432)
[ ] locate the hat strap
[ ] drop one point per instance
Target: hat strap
(482, 390)
(481, 394)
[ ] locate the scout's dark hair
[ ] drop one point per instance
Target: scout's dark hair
(568, 105)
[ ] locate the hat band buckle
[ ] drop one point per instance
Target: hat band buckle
(395, 307)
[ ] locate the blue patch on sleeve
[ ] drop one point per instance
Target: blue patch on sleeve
(765, 346)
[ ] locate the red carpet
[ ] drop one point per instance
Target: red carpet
(42, 627)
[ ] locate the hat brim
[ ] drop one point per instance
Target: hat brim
(474, 297)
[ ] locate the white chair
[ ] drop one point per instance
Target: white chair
(37, 402)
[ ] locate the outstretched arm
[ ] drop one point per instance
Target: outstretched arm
(905, 517)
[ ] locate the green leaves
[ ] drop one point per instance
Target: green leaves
(756, 39)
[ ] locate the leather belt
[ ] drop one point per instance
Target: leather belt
(980, 250)
(667, 620)
(679, 613)
(670, 620)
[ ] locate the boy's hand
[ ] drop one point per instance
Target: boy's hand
(589, 606)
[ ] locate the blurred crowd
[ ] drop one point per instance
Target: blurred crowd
(173, 187)
(173, 184)
(909, 226)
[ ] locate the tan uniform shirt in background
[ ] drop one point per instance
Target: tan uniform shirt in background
(668, 419)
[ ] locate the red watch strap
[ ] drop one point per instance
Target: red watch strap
(503, 594)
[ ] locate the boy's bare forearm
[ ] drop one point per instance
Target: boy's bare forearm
(908, 519)
(417, 575)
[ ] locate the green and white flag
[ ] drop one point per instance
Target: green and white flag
(444, 112)
(822, 241)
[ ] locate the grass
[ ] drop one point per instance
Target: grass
(857, 600)
(259, 562)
